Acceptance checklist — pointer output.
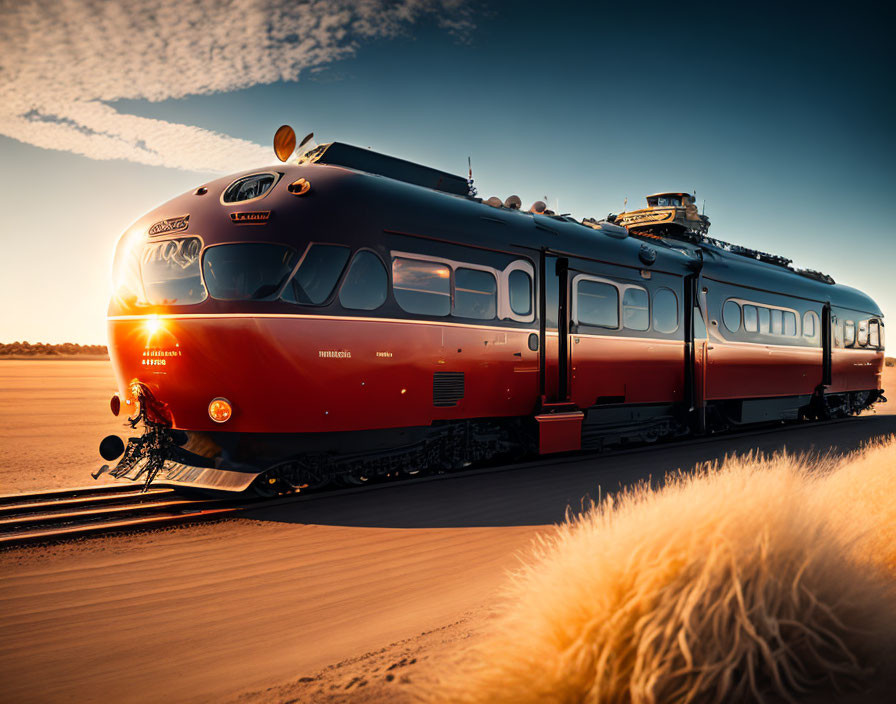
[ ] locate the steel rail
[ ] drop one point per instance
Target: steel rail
(67, 513)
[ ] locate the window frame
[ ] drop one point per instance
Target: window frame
(816, 324)
(279, 292)
(740, 315)
(504, 311)
(874, 329)
(138, 254)
(435, 263)
(796, 324)
(621, 288)
(769, 315)
(278, 176)
(574, 304)
(647, 308)
(340, 282)
(454, 293)
(338, 285)
(653, 327)
(862, 333)
(849, 333)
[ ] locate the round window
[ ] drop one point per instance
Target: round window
(731, 316)
(249, 187)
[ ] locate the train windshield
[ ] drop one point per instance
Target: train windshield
(170, 272)
(243, 272)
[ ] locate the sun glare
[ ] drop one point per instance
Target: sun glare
(152, 325)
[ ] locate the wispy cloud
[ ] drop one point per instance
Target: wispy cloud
(61, 63)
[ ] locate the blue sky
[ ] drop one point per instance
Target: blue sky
(781, 120)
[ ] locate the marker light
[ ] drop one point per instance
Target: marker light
(220, 410)
(299, 187)
(115, 404)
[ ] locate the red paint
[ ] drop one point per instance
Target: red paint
(559, 432)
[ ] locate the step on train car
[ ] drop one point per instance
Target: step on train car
(353, 316)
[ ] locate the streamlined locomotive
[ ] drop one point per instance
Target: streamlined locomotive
(354, 316)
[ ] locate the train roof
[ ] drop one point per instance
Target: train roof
(404, 206)
(341, 154)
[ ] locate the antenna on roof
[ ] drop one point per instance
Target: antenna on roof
(704, 207)
(471, 189)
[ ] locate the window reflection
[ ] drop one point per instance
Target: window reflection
(475, 294)
(254, 271)
(366, 284)
(597, 303)
(634, 309)
(421, 287)
(170, 272)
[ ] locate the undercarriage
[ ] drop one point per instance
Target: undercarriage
(272, 464)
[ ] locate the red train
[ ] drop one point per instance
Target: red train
(357, 316)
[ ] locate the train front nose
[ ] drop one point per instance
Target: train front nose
(211, 373)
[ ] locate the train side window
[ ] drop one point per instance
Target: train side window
(777, 322)
(731, 315)
(863, 333)
(366, 284)
(665, 311)
(171, 273)
(519, 284)
(251, 271)
(849, 333)
(751, 319)
(597, 304)
(421, 287)
(635, 314)
(837, 331)
(809, 324)
(764, 320)
(789, 324)
(475, 294)
(317, 275)
(874, 334)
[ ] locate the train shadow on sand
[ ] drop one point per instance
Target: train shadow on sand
(541, 495)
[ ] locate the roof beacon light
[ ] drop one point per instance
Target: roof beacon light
(284, 142)
(220, 410)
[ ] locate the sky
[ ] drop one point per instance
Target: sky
(781, 119)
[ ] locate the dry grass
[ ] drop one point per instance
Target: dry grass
(765, 579)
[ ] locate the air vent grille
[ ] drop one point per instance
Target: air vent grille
(447, 388)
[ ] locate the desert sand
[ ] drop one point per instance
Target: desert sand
(345, 597)
(53, 414)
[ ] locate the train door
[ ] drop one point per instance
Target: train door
(559, 421)
(827, 328)
(552, 307)
(696, 347)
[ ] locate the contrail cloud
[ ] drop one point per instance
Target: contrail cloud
(62, 63)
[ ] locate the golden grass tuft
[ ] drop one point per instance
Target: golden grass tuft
(762, 578)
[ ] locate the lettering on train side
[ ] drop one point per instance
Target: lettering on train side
(383, 354)
(260, 216)
(164, 227)
(334, 354)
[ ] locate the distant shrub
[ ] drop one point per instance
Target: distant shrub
(41, 349)
(762, 578)
(890, 361)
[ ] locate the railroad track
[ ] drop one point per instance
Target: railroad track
(57, 515)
